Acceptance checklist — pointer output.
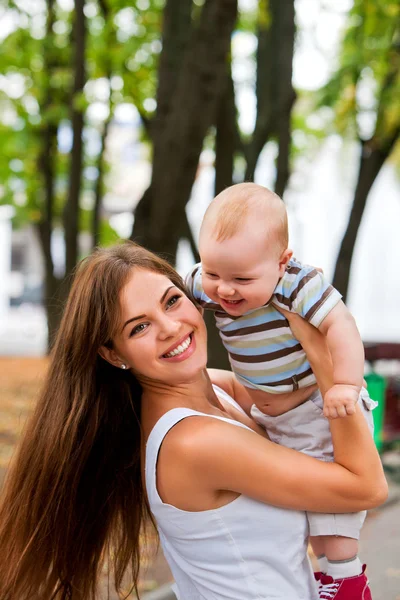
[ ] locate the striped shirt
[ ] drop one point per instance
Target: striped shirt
(262, 350)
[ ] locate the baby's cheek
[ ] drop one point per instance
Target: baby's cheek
(263, 296)
(208, 287)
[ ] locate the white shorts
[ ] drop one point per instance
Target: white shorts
(305, 428)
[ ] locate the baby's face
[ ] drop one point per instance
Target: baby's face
(240, 273)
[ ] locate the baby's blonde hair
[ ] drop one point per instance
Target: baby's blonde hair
(228, 212)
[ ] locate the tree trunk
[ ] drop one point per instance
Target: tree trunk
(374, 152)
(283, 160)
(265, 90)
(71, 212)
(274, 89)
(46, 167)
(55, 294)
(217, 355)
(188, 235)
(285, 94)
(200, 85)
(98, 192)
(177, 29)
(177, 24)
(226, 136)
(45, 225)
(177, 150)
(371, 161)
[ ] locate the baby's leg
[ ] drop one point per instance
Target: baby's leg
(337, 555)
(318, 546)
(342, 575)
(333, 536)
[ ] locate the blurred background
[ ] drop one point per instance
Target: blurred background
(123, 119)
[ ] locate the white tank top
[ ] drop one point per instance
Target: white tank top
(245, 550)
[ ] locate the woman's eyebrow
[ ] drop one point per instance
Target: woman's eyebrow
(142, 316)
(165, 293)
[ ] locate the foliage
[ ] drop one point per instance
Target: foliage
(122, 53)
(125, 50)
(364, 94)
(365, 88)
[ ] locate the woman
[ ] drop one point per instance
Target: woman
(127, 370)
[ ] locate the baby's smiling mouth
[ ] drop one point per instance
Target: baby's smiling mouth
(233, 302)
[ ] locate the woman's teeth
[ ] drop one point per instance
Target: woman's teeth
(181, 348)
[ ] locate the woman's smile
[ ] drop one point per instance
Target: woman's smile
(181, 350)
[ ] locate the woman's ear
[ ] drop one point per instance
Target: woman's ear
(110, 356)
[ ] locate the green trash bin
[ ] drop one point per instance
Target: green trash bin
(376, 386)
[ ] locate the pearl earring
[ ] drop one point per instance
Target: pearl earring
(123, 366)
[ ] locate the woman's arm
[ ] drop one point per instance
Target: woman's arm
(352, 441)
(208, 456)
(226, 457)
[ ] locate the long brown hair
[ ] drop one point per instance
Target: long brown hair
(74, 493)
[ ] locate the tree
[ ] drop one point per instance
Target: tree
(190, 102)
(47, 141)
(274, 88)
(274, 24)
(53, 65)
(370, 60)
(39, 60)
(191, 81)
(196, 92)
(71, 209)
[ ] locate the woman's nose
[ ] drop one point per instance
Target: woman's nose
(168, 327)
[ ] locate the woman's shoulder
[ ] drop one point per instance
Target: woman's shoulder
(197, 463)
(196, 435)
(193, 459)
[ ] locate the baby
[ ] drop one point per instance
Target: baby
(246, 271)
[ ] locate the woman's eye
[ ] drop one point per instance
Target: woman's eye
(138, 329)
(173, 300)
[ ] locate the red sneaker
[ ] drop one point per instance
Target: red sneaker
(317, 577)
(349, 588)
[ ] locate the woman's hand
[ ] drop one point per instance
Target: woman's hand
(315, 346)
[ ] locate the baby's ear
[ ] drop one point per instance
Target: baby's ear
(284, 259)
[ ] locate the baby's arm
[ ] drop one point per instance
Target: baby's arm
(347, 353)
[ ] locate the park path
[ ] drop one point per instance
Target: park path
(380, 547)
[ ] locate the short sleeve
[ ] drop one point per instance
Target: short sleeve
(306, 291)
(193, 282)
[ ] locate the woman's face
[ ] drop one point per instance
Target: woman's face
(162, 335)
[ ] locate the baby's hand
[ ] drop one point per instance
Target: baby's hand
(340, 400)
